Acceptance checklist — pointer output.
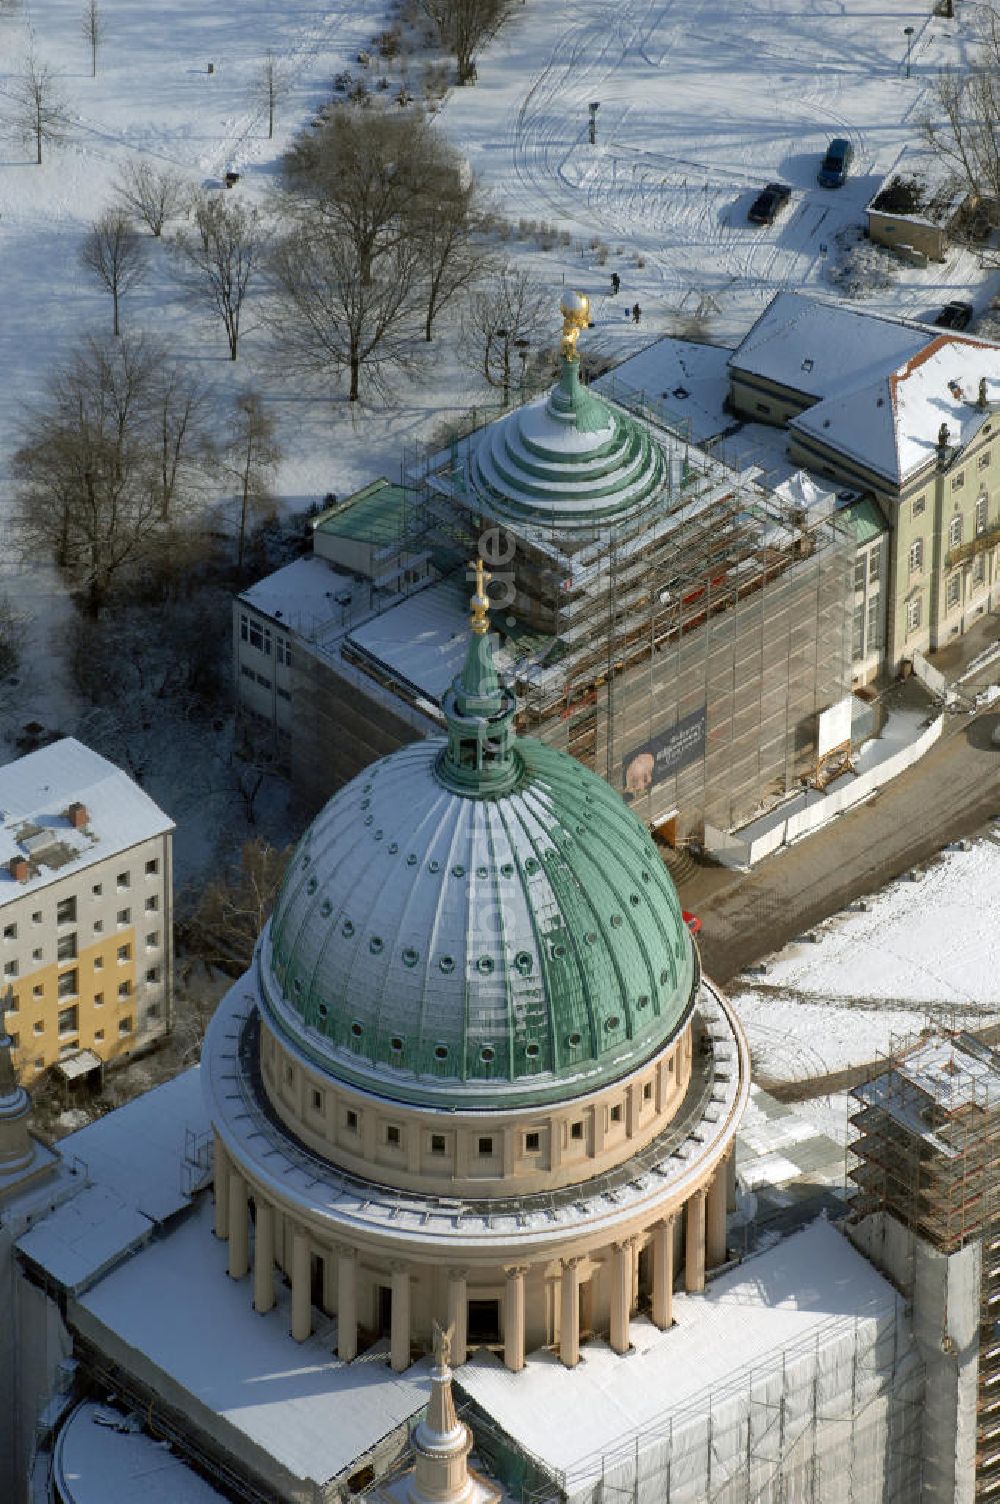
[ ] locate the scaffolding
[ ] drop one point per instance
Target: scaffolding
(927, 1152)
(721, 601)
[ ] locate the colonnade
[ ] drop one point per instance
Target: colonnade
(704, 1247)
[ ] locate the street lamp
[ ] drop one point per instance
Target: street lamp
(908, 34)
(522, 346)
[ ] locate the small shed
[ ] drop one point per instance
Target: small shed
(917, 205)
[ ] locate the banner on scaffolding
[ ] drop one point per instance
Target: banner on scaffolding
(662, 756)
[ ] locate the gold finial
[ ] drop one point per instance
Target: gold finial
(480, 617)
(575, 309)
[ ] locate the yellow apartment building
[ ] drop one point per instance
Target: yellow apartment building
(86, 911)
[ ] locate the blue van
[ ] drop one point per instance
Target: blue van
(836, 164)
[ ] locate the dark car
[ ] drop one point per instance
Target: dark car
(769, 203)
(955, 315)
(836, 164)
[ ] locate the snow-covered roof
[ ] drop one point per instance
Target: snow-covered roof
(689, 379)
(35, 794)
(890, 424)
(422, 640)
(175, 1304)
(817, 348)
(920, 187)
(307, 596)
(135, 1167)
(104, 1457)
(810, 1290)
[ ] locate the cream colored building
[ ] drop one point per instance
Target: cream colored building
(86, 896)
(476, 1075)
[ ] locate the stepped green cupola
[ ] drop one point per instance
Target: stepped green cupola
(477, 921)
(569, 461)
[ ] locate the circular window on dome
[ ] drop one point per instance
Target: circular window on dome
(440, 1052)
(433, 866)
(396, 1045)
(634, 900)
(365, 803)
(306, 859)
(581, 830)
(312, 885)
(378, 835)
(357, 1029)
(573, 1039)
(664, 977)
(375, 945)
(507, 870)
(482, 872)
(297, 986)
(411, 860)
(645, 877)
(393, 847)
(410, 956)
(616, 921)
(347, 928)
(642, 1001)
(558, 951)
(487, 1054)
(523, 963)
(322, 1010)
(369, 819)
(612, 1023)
(532, 1051)
(485, 965)
(458, 870)
(326, 908)
(447, 964)
(531, 866)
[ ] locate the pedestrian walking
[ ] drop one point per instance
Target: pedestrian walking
(616, 283)
(636, 313)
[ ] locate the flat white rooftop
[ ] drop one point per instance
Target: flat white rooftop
(35, 793)
(102, 1458)
(173, 1311)
(809, 1290)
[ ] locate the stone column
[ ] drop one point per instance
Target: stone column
(347, 1304)
(694, 1243)
(513, 1318)
(715, 1234)
(634, 1291)
(458, 1314)
(399, 1332)
(731, 1203)
(263, 1258)
(221, 1187)
(239, 1243)
(301, 1287)
(663, 1274)
(621, 1295)
(569, 1313)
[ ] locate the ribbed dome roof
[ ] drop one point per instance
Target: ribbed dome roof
(485, 951)
(568, 460)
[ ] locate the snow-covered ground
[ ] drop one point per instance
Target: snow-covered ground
(921, 953)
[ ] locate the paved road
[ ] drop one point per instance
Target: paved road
(953, 791)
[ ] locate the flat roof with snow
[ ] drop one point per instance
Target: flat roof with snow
(307, 596)
(811, 1289)
(311, 1413)
(36, 792)
(104, 1457)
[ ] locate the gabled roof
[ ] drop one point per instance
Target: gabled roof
(890, 425)
(818, 348)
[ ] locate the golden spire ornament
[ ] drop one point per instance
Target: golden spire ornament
(480, 618)
(575, 309)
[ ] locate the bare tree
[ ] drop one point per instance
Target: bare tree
(250, 459)
(229, 914)
(115, 255)
(270, 88)
(224, 254)
(364, 174)
(39, 112)
(464, 27)
(153, 194)
(92, 26)
(963, 127)
(185, 455)
(503, 320)
(443, 224)
(87, 467)
(335, 313)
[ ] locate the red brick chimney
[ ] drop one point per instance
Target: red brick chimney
(77, 815)
(18, 868)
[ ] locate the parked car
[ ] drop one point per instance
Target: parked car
(769, 203)
(692, 921)
(836, 164)
(955, 315)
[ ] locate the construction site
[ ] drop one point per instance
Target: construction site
(927, 1158)
(671, 622)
